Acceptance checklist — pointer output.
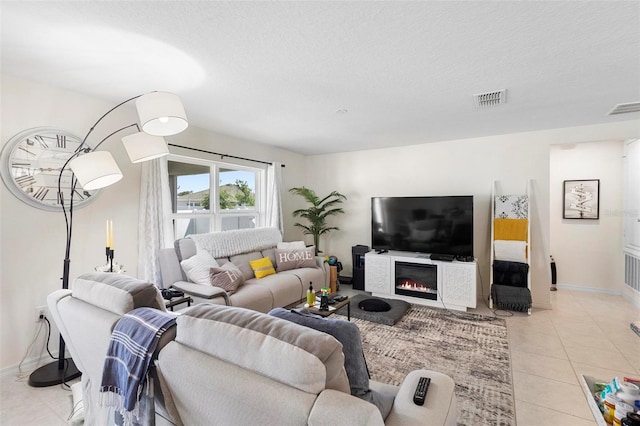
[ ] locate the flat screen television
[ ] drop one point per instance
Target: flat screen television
(442, 225)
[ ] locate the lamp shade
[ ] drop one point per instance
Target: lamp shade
(95, 170)
(161, 113)
(144, 147)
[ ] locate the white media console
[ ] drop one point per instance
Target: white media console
(441, 284)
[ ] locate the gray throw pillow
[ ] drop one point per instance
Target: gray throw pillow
(355, 364)
(228, 277)
(294, 259)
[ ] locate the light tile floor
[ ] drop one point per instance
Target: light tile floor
(584, 333)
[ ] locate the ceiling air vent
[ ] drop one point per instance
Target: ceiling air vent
(489, 99)
(625, 108)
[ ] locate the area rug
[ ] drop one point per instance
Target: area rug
(398, 309)
(471, 349)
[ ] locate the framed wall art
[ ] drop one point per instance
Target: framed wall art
(581, 199)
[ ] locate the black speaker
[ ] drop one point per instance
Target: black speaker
(357, 255)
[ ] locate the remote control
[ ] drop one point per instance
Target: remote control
(421, 390)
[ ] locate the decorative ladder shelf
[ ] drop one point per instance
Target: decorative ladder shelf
(510, 250)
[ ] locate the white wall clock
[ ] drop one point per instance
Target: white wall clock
(30, 165)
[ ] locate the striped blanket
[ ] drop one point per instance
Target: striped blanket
(126, 366)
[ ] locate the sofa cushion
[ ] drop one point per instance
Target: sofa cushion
(285, 289)
(209, 391)
(228, 277)
(293, 259)
(185, 248)
(242, 262)
(255, 297)
(271, 254)
(117, 293)
(222, 260)
(262, 267)
(300, 357)
(292, 245)
(355, 364)
(197, 267)
(307, 277)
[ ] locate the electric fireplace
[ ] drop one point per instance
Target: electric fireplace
(416, 280)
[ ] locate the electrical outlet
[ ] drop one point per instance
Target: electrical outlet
(40, 313)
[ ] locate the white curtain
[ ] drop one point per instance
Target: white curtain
(274, 199)
(155, 230)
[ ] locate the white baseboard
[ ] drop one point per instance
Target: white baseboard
(28, 366)
(627, 292)
(632, 295)
(589, 289)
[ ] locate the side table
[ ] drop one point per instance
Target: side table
(177, 301)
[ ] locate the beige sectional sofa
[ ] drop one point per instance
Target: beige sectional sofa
(240, 247)
(275, 372)
(267, 371)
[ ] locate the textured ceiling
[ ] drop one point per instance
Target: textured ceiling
(284, 73)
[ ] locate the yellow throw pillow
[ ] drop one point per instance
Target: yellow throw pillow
(262, 267)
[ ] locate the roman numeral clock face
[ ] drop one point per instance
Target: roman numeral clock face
(30, 166)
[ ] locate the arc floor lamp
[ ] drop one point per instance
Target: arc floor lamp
(160, 114)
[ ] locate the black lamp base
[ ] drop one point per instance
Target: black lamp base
(50, 374)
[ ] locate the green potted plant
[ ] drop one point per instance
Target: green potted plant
(318, 213)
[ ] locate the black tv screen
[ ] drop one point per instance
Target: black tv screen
(442, 225)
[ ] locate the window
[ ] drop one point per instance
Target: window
(208, 196)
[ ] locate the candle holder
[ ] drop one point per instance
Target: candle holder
(109, 252)
(111, 265)
(115, 268)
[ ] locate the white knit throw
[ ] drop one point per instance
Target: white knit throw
(231, 243)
